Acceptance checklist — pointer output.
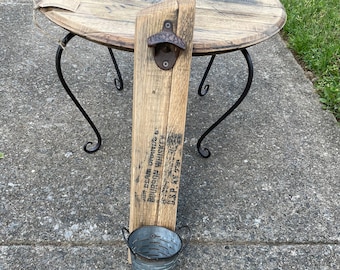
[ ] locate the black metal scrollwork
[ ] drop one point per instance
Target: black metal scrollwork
(207, 86)
(204, 152)
(118, 82)
(60, 50)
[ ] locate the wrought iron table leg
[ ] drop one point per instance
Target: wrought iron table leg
(60, 50)
(204, 152)
(118, 82)
(206, 87)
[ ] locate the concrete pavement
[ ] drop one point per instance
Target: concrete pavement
(267, 198)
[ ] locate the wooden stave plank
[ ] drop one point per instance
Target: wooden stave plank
(143, 161)
(158, 129)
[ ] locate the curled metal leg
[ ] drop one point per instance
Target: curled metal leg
(206, 87)
(118, 82)
(204, 152)
(60, 50)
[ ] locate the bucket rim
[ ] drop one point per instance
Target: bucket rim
(146, 258)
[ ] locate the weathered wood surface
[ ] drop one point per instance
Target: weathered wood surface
(159, 114)
(220, 25)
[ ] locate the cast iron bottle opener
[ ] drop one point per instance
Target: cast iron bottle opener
(167, 46)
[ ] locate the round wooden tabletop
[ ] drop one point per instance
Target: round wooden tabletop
(220, 25)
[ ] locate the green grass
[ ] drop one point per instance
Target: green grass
(313, 33)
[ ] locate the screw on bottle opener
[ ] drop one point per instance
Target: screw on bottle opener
(167, 46)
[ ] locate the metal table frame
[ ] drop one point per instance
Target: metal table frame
(90, 147)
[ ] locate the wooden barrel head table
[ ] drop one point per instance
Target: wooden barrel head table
(221, 26)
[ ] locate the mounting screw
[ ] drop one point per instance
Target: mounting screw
(165, 64)
(167, 24)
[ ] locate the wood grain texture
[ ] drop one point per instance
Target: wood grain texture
(159, 113)
(220, 25)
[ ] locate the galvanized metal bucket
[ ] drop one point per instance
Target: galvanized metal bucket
(155, 247)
